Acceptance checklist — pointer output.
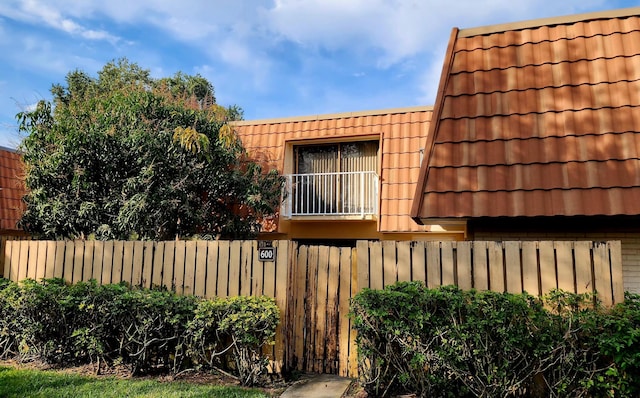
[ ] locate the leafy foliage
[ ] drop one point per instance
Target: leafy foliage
(126, 156)
(453, 343)
(145, 330)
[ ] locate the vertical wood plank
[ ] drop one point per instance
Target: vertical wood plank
(548, 276)
(376, 271)
(78, 257)
(389, 263)
(118, 255)
(212, 269)
(480, 266)
(496, 266)
(50, 265)
(344, 294)
(179, 266)
(201, 268)
(41, 263)
(234, 268)
(602, 273)
(513, 267)
(310, 307)
(530, 268)
(353, 351)
(404, 261)
(434, 270)
(331, 352)
(223, 268)
(138, 265)
(87, 261)
(58, 271)
(148, 254)
(448, 266)
(127, 261)
(190, 267)
(11, 257)
(362, 257)
(284, 252)
(259, 268)
(584, 272)
(98, 257)
(157, 276)
(321, 309)
(246, 269)
(32, 264)
(463, 266)
(107, 263)
(168, 264)
(615, 256)
(418, 262)
(6, 259)
(69, 247)
(300, 315)
(24, 259)
(564, 266)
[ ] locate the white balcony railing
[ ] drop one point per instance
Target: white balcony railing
(341, 194)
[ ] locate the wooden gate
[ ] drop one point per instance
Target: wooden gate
(321, 285)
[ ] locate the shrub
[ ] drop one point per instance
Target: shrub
(448, 342)
(147, 330)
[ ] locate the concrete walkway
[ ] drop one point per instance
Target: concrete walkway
(319, 386)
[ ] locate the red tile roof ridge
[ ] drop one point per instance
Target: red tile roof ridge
(536, 23)
(328, 116)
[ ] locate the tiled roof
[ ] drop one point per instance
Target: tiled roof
(12, 189)
(537, 119)
(403, 133)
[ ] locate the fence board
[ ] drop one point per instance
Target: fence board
(530, 268)
(50, 262)
(353, 352)
(107, 263)
(98, 255)
(321, 309)
(344, 341)
(234, 268)
(285, 255)
(480, 266)
(189, 267)
(158, 264)
(404, 261)
(615, 252)
(496, 266)
(127, 261)
(223, 272)
(87, 260)
(167, 264)
(58, 271)
(564, 266)
(68, 260)
(212, 269)
(434, 270)
(310, 306)
(602, 272)
(418, 262)
(548, 279)
(463, 258)
(257, 272)
(389, 263)
(200, 274)
(299, 294)
(246, 272)
(118, 255)
(147, 263)
(41, 263)
(513, 269)
(584, 270)
(179, 266)
(446, 264)
(332, 310)
(376, 272)
(11, 260)
(33, 260)
(362, 263)
(138, 258)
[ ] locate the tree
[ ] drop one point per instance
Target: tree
(126, 156)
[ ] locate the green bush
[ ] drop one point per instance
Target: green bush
(147, 330)
(452, 343)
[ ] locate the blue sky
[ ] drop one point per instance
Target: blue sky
(274, 58)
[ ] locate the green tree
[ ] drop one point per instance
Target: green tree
(126, 156)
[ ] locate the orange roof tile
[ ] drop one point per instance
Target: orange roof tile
(12, 189)
(402, 133)
(540, 118)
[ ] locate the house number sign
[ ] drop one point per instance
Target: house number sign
(266, 251)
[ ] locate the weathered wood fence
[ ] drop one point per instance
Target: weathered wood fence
(312, 285)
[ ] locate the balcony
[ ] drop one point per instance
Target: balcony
(343, 195)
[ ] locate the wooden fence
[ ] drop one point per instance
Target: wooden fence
(312, 285)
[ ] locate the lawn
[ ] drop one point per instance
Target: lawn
(38, 383)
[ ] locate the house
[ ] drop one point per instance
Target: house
(535, 134)
(12, 189)
(348, 176)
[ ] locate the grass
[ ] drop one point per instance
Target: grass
(37, 383)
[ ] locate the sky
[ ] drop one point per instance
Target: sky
(273, 58)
